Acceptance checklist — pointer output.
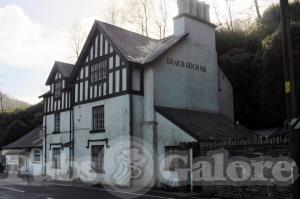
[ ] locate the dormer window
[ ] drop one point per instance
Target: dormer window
(57, 89)
(98, 71)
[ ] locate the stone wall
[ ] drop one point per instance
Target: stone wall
(245, 192)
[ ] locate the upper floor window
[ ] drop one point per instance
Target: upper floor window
(98, 71)
(57, 122)
(36, 155)
(98, 118)
(57, 89)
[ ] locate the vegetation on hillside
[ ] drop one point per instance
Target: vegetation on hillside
(8, 103)
(254, 59)
(16, 124)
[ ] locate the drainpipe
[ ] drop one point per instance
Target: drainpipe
(70, 147)
(130, 115)
(73, 138)
(45, 148)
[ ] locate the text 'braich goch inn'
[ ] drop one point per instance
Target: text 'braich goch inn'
(125, 85)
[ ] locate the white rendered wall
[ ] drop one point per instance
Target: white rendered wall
(30, 166)
(35, 168)
(60, 138)
(116, 113)
(181, 87)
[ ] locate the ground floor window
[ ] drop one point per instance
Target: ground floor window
(171, 161)
(98, 158)
(36, 155)
(56, 158)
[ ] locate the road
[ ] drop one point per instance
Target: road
(44, 190)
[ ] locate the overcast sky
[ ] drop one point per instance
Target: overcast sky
(35, 33)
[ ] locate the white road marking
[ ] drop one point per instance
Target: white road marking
(108, 190)
(56, 184)
(11, 189)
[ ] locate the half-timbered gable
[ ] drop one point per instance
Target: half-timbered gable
(101, 70)
(110, 63)
(59, 97)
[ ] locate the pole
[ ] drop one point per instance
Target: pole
(191, 170)
(290, 93)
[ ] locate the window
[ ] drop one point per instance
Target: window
(98, 158)
(98, 71)
(36, 155)
(176, 158)
(57, 122)
(56, 158)
(57, 89)
(13, 158)
(171, 163)
(98, 118)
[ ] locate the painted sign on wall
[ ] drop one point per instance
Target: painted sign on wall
(187, 65)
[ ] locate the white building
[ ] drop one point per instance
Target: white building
(125, 84)
(25, 155)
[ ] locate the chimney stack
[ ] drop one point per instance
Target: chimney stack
(194, 8)
(193, 18)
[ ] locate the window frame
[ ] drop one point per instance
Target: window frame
(170, 165)
(98, 71)
(57, 91)
(35, 152)
(57, 125)
(100, 119)
(97, 163)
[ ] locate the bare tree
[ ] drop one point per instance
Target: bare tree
(161, 16)
(218, 17)
(139, 15)
(148, 17)
(229, 10)
(78, 36)
(257, 9)
(1, 103)
(113, 13)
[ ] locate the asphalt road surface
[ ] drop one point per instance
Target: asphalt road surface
(56, 191)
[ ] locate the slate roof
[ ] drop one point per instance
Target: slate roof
(204, 126)
(267, 132)
(33, 139)
(135, 47)
(64, 68)
(280, 132)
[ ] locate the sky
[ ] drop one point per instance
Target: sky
(35, 33)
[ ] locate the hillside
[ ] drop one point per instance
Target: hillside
(254, 60)
(15, 124)
(9, 103)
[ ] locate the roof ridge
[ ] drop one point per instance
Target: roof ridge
(60, 62)
(123, 29)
